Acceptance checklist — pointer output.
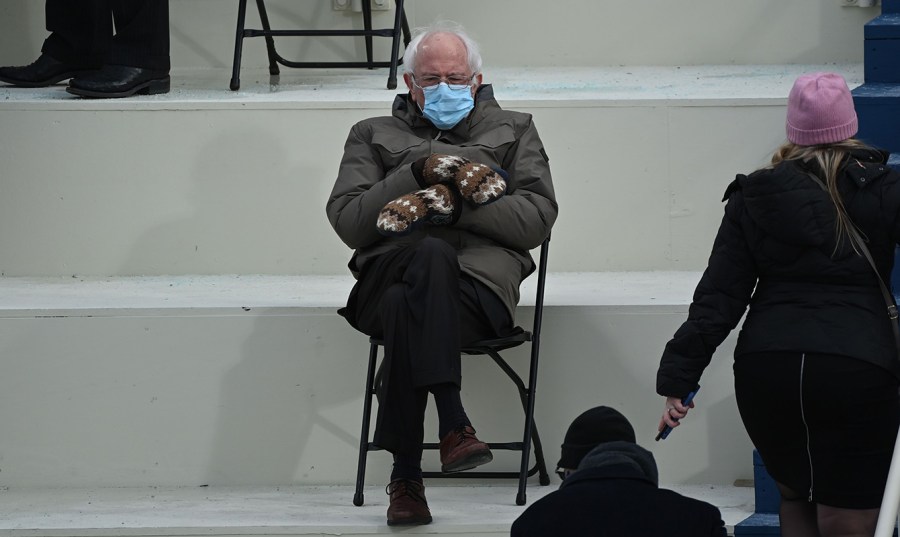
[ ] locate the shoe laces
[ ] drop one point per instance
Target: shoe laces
(407, 487)
(463, 434)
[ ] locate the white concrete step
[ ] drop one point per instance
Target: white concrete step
(473, 511)
(254, 380)
(81, 295)
(208, 181)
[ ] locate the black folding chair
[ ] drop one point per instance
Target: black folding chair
(400, 29)
(491, 348)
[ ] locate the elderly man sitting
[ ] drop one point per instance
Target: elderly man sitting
(441, 202)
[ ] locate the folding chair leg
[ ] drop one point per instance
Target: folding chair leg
(529, 438)
(358, 496)
(543, 475)
(399, 18)
(367, 24)
(405, 26)
(530, 429)
(238, 46)
(270, 41)
(530, 435)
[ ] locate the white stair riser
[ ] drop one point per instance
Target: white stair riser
(262, 398)
(227, 191)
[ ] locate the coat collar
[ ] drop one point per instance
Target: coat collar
(862, 166)
(612, 471)
(407, 110)
(617, 460)
(787, 204)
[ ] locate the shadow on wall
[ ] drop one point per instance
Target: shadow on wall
(221, 210)
(617, 367)
(258, 210)
(283, 410)
(21, 31)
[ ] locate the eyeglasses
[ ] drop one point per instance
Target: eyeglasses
(454, 81)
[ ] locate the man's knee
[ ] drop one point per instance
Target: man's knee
(434, 250)
(393, 299)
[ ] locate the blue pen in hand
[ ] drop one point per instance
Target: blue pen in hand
(686, 401)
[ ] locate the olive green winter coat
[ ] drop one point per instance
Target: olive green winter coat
(492, 241)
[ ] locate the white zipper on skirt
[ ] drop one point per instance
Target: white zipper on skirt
(805, 426)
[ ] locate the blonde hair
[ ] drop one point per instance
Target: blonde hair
(830, 158)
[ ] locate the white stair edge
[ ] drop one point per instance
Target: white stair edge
(28, 296)
(514, 87)
(311, 510)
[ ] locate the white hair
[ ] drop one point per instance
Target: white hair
(448, 27)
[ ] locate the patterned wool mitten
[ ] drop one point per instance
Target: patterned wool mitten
(478, 183)
(436, 205)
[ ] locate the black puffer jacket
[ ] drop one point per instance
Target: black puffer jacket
(615, 493)
(778, 236)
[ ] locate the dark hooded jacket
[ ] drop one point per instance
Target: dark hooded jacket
(777, 251)
(492, 241)
(615, 493)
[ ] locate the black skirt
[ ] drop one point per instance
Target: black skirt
(824, 425)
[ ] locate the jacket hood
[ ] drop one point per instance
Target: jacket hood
(623, 459)
(788, 204)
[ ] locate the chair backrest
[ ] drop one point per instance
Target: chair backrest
(539, 297)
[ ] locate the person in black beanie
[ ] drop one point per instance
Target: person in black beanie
(83, 48)
(611, 488)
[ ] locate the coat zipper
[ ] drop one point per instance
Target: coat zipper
(805, 426)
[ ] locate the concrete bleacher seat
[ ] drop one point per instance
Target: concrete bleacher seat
(172, 360)
(191, 339)
(208, 308)
(472, 511)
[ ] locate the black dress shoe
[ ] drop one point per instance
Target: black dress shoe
(120, 81)
(45, 71)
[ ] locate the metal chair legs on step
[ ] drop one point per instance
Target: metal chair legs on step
(490, 348)
(398, 31)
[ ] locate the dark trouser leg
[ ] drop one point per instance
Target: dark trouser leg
(142, 34)
(451, 413)
(415, 299)
(80, 31)
(401, 407)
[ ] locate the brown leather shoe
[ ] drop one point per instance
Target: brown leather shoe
(408, 504)
(460, 450)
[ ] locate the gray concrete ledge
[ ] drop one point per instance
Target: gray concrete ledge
(256, 511)
(28, 297)
(517, 87)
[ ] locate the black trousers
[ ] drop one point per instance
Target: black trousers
(416, 300)
(82, 32)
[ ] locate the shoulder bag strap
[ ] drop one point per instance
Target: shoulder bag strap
(885, 293)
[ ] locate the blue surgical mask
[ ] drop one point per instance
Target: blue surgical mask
(445, 106)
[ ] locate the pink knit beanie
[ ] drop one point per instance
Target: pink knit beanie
(820, 110)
